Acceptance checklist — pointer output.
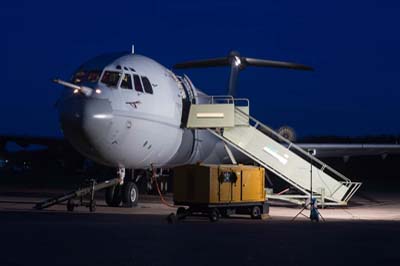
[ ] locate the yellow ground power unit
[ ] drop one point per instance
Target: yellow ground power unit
(220, 190)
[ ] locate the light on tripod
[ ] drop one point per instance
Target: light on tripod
(313, 204)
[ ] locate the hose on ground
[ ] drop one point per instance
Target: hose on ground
(153, 177)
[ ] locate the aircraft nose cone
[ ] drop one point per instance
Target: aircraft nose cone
(86, 123)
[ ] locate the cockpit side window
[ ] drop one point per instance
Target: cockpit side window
(126, 82)
(111, 78)
(138, 84)
(94, 76)
(147, 85)
(82, 76)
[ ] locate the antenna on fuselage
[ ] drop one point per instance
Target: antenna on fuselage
(133, 48)
(237, 63)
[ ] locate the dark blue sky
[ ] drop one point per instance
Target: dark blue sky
(353, 45)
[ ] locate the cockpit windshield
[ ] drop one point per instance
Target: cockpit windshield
(111, 78)
(83, 76)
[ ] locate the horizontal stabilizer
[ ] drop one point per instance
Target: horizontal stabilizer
(214, 62)
(241, 62)
(278, 64)
(238, 63)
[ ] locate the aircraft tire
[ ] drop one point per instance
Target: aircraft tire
(130, 194)
(113, 196)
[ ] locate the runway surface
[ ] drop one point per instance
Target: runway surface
(366, 233)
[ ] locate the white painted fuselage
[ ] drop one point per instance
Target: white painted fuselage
(124, 125)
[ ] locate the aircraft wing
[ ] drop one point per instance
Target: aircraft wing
(24, 141)
(348, 150)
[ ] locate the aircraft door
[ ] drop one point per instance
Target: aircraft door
(188, 100)
(188, 87)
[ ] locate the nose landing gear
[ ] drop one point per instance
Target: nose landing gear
(126, 192)
(117, 191)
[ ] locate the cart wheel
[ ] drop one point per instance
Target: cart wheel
(214, 215)
(256, 212)
(181, 213)
(171, 218)
(92, 207)
(70, 205)
(225, 213)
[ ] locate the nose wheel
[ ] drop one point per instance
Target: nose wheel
(113, 196)
(130, 194)
(126, 192)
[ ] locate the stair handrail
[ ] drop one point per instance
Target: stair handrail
(229, 99)
(214, 99)
(293, 145)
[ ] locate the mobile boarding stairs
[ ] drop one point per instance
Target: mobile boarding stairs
(228, 119)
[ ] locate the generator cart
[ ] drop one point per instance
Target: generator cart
(220, 190)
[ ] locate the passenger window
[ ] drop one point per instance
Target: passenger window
(147, 86)
(138, 84)
(126, 82)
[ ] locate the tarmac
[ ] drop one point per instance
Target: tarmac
(365, 233)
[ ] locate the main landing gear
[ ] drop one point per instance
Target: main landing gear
(126, 192)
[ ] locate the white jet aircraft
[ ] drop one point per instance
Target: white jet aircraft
(128, 111)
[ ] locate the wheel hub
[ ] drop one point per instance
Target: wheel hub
(133, 194)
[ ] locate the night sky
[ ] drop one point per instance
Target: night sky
(353, 46)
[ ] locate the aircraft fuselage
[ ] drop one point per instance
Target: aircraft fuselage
(133, 117)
